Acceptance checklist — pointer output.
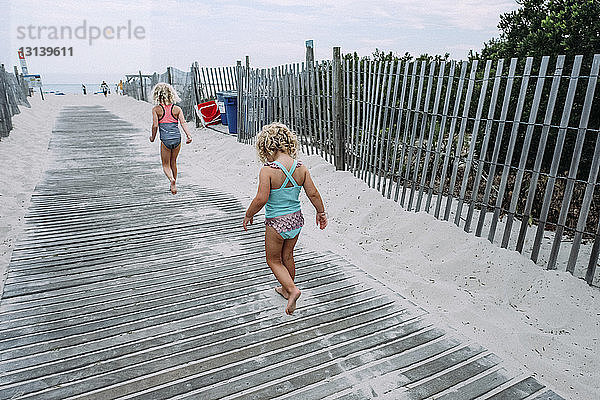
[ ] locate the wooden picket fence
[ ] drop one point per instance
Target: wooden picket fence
(13, 94)
(503, 149)
(506, 149)
(195, 86)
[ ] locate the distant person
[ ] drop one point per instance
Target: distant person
(279, 184)
(104, 88)
(166, 117)
(83, 88)
(120, 90)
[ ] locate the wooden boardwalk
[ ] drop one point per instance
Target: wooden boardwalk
(117, 289)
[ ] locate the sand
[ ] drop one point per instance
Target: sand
(23, 153)
(547, 323)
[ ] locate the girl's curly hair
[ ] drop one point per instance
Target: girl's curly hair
(273, 138)
(163, 93)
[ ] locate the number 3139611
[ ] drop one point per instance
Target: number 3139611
(47, 51)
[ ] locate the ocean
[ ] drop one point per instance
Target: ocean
(75, 88)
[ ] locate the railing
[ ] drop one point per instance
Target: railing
(506, 149)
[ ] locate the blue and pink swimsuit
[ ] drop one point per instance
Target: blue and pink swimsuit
(168, 126)
(283, 211)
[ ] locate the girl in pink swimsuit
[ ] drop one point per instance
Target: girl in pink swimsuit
(166, 117)
(280, 181)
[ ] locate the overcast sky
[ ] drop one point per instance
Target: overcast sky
(271, 32)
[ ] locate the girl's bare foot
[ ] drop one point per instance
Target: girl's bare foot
(291, 305)
(173, 187)
(282, 292)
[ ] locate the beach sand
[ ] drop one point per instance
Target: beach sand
(545, 323)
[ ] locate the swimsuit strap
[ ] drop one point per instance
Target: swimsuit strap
(165, 108)
(288, 174)
(168, 107)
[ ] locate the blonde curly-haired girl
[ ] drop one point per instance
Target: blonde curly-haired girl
(166, 117)
(280, 180)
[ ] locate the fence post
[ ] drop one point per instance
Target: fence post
(5, 115)
(141, 86)
(238, 67)
(194, 70)
(25, 86)
(338, 115)
(246, 112)
(17, 74)
(310, 54)
(20, 81)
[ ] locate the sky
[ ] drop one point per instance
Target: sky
(156, 34)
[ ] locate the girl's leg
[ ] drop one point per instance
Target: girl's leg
(273, 249)
(287, 257)
(165, 156)
(173, 161)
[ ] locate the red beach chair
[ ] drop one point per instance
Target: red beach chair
(208, 113)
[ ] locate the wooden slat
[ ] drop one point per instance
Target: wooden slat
(385, 172)
(311, 108)
(573, 168)
(585, 207)
(511, 147)
(380, 155)
(392, 173)
(459, 146)
(430, 139)
(381, 106)
(416, 114)
(539, 87)
(448, 152)
(354, 115)
(316, 121)
(318, 99)
(302, 108)
(440, 137)
(221, 79)
(473, 142)
(560, 139)
(421, 143)
(328, 98)
(484, 145)
(590, 274)
(406, 129)
(347, 105)
(497, 145)
(367, 93)
(372, 112)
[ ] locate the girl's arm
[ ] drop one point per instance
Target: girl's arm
(181, 119)
(264, 188)
(154, 124)
(315, 199)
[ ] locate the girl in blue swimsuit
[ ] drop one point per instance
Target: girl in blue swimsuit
(280, 181)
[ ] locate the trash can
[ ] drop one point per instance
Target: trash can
(231, 110)
(221, 105)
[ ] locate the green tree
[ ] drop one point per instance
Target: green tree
(550, 28)
(547, 27)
